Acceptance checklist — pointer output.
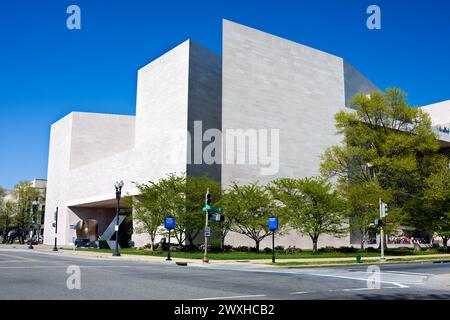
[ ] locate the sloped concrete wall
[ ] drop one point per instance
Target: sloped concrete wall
(273, 83)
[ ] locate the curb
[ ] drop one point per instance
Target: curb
(353, 264)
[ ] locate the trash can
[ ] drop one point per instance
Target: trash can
(358, 259)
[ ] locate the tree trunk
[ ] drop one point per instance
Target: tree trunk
(257, 245)
(222, 241)
(152, 244)
(445, 241)
(314, 240)
(363, 238)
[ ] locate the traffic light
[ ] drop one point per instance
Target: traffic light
(213, 213)
(208, 198)
(384, 209)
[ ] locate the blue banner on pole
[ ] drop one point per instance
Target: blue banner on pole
(169, 223)
(273, 223)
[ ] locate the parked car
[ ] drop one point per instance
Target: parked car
(84, 243)
(34, 240)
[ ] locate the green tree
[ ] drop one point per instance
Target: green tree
(249, 207)
(24, 195)
(8, 210)
(435, 200)
(178, 196)
(148, 210)
(441, 226)
(391, 136)
(172, 202)
(362, 202)
(311, 206)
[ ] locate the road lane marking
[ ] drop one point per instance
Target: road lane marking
(401, 283)
(349, 289)
(61, 266)
(410, 273)
(233, 297)
(17, 258)
(360, 279)
(364, 289)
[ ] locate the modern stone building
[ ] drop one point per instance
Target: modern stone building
(263, 86)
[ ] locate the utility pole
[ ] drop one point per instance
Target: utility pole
(381, 230)
(207, 206)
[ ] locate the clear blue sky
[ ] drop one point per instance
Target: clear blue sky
(47, 71)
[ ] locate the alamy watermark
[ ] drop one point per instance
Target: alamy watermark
(73, 21)
(74, 279)
(374, 279)
(374, 20)
(250, 146)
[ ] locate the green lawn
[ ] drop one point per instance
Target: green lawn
(253, 255)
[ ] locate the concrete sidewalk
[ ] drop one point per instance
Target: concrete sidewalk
(162, 259)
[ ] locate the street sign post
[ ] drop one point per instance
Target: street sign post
(273, 226)
(169, 224)
(383, 213)
(207, 208)
(207, 232)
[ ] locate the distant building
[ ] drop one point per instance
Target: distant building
(262, 82)
(440, 119)
(39, 185)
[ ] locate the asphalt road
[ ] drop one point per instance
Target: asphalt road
(39, 275)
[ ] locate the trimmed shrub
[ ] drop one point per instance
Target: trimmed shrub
(190, 248)
(327, 249)
(253, 249)
(267, 250)
(216, 245)
(228, 248)
(292, 250)
(443, 249)
(102, 244)
(242, 249)
(347, 249)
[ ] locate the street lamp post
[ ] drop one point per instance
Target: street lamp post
(118, 186)
(372, 170)
(55, 224)
(34, 209)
